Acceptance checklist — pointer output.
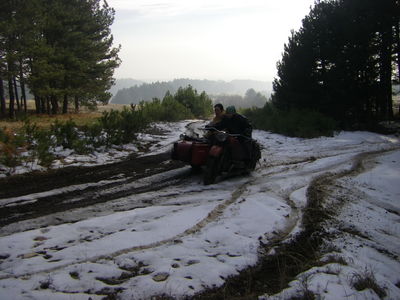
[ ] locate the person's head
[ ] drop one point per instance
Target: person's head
(230, 111)
(218, 109)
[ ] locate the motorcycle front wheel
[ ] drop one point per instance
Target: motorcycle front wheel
(211, 170)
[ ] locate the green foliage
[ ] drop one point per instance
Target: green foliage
(62, 50)
(199, 105)
(121, 126)
(112, 128)
(294, 123)
(29, 130)
(340, 62)
(251, 99)
(10, 143)
(93, 135)
(173, 110)
(65, 133)
(43, 146)
(185, 104)
(152, 110)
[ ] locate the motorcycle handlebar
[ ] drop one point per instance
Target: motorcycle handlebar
(230, 134)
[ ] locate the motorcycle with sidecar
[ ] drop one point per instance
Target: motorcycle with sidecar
(220, 154)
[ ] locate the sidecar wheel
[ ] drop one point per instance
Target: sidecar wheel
(211, 170)
(195, 169)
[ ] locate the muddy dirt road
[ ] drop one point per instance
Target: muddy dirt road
(59, 191)
(147, 225)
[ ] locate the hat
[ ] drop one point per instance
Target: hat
(230, 110)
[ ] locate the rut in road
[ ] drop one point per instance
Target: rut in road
(72, 188)
(215, 213)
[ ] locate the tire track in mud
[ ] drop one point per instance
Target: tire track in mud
(322, 175)
(212, 216)
(131, 169)
(284, 251)
(217, 212)
(134, 170)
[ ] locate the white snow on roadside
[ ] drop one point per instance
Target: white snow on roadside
(193, 237)
(368, 242)
(152, 143)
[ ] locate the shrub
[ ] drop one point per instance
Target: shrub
(42, 148)
(65, 134)
(122, 126)
(199, 105)
(94, 135)
(295, 123)
(10, 147)
(366, 280)
(30, 131)
(174, 111)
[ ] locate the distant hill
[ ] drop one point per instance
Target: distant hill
(124, 83)
(148, 91)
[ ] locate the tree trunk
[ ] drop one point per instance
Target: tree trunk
(48, 106)
(54, 105)
(12, 100)
(16, 94)
(65, 104)
(2, 99)
(37, 104)
(386, 108)
(398, 50)
(76, 104)
(22, 85)
(43, 105)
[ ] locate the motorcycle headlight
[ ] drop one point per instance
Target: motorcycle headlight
(221, 136)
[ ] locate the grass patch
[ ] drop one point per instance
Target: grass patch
(45, 121)
(366, 280)
(274, 272)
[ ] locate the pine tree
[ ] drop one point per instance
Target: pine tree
(63, 51)
(340, 61)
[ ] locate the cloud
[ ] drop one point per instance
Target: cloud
(222, 39)
(172, 8)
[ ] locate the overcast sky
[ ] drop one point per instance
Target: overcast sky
(203, 39)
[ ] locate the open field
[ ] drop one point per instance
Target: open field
(84, 117)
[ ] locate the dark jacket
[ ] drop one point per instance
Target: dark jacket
(236, 124)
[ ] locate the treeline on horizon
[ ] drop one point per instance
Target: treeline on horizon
(219, 91)
(337, 70)
(61, 51)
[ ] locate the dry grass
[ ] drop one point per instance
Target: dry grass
(44, 121)
(366, 280)
(85, 117)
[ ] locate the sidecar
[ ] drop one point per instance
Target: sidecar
(192, 152)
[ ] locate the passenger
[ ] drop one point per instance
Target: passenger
(234, 123)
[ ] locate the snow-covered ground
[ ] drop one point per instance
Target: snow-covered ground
(193, 237)
(152, 143)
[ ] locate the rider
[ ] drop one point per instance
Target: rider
(219, 113)
(235, 123)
